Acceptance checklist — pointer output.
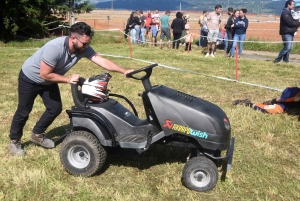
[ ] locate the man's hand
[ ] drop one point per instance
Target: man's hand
(73, 79)
(127, 71)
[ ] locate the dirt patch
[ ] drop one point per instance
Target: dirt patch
(268, 56)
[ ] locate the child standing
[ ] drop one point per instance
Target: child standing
(188, 38)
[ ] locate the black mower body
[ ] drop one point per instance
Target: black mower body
(172, 118)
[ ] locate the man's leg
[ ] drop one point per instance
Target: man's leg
(285, 49)
(290, 40)
(201, 38)
(27, 93)
(52, 101)
(162, 35)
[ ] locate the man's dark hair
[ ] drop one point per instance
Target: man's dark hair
(81, 28)
(141, 12)
(230, 9)
(244, 10)
(156, 9)
(205, 11)
(168, 12)
(288, 2)
(218, 6)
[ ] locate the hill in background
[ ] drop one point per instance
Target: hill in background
(253, 6)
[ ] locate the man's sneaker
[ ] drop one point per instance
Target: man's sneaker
(212, 55)
(242, 102)
(15, 148)
(207, 54)
(41, 140)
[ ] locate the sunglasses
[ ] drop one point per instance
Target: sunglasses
(83, 44)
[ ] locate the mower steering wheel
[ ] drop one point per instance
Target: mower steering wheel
(147, 69)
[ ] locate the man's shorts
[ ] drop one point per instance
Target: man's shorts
(148, 28)
(165, 32)
(212, 35)
(154, 31)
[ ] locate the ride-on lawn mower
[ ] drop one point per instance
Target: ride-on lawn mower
(172, 118)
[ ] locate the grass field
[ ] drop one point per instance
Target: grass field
(266, 160)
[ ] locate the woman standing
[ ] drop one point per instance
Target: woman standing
(177, 26)
(132, 22)
(239, 27)
(229, 29)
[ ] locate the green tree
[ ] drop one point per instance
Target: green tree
(32, 18)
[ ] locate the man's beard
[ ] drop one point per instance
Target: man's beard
(78, 49)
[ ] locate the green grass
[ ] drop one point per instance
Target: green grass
(266, 160)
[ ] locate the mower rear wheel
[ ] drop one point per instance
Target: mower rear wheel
(82, 154)
(200, 174)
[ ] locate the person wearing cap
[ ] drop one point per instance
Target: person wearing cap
(288, 100)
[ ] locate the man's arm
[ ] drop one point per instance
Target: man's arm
(108, 65)
(46, 73)
(289, 20)
(201, 20)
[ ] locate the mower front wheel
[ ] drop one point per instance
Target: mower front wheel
(200, 174)
(81, 154)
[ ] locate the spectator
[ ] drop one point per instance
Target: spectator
(188, 38)
(288, 100)
(185, 18)
(137, 27)
(155, 24)
(288, 27)
(229, 31)
(143, 25)
(214, 20)
(203, 29)
(40, 75)
(240, 26)
(148, 26)
(131, 24)
(165, 28)
(177, 26)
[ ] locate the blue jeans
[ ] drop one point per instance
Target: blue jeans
(132, 35)
(142, 35)
(238, 38)
(137, 34)
(225, 41)
(201, 38)
(287, 47)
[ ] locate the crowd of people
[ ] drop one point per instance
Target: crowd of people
(232, 32)
(140, 26)
(212, 31)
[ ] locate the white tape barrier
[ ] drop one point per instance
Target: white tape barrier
(193, 72)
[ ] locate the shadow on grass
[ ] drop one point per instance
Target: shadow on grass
(155, 155)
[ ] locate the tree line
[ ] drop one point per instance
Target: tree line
(36, 18)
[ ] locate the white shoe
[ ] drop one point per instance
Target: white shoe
(207, 54)
(212, 55)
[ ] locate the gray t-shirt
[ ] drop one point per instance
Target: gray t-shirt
(56, 54)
